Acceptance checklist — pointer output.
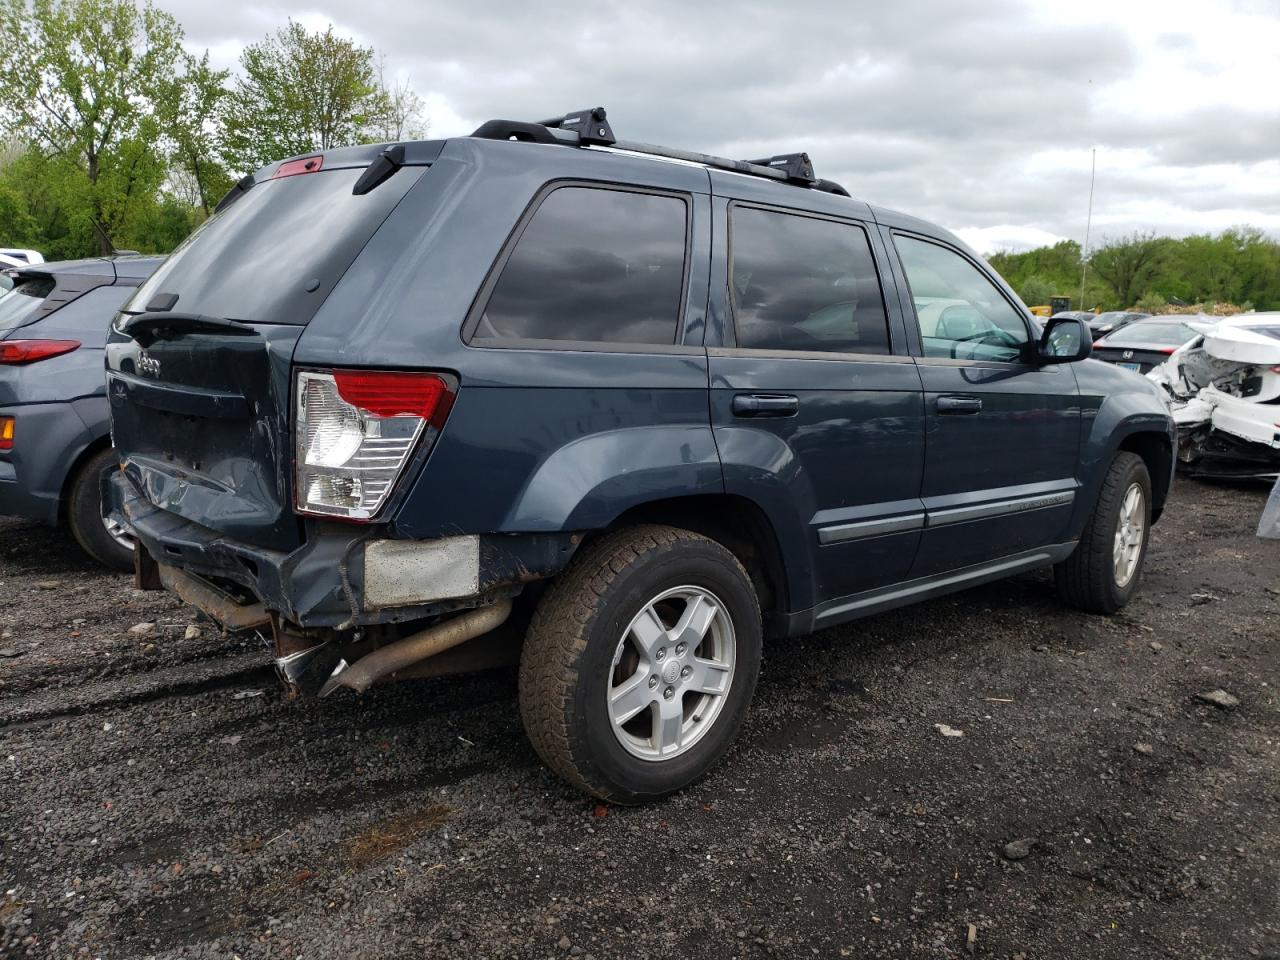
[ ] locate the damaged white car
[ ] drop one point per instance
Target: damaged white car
(1224, 393)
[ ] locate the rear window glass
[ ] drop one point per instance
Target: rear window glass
(593, 265)
(19, 304)
(254, 261)
(801, 283)
(1171, 334)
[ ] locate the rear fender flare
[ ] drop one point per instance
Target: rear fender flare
(590, 481)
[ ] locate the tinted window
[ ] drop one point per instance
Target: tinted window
(1170, 334)
(256, 260)
(18, 304)
(962, 314)
(799, 283)
(593, 265)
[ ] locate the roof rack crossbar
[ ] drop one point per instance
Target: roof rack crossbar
(591, 128)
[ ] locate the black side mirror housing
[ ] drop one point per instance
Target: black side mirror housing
(1065, 340)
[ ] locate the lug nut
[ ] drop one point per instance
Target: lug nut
(668, 693)
(680, 648)
(653, 681)
(661, 654)
(685, 672)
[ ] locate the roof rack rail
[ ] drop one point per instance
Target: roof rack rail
(591, 128)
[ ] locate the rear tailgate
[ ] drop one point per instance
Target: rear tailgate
(198, 363)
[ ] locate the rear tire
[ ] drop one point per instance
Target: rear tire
(640, 663)
(84, 514)
(1103, 573)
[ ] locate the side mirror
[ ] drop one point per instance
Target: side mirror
(1065, 340)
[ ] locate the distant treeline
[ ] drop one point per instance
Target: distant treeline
(112, 135)
(1239, 266)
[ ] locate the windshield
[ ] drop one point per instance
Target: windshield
(1166, 334)
(19, 304)
(275, 254)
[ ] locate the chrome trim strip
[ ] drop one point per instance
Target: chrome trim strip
(749, 352)
(982, 511)
(840, 532)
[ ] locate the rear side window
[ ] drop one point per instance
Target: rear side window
(800, 283)
(19, 304)
(593, 265)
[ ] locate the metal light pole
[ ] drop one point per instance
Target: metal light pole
(1084, 257)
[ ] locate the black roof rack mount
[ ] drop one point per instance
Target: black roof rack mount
(584, 128)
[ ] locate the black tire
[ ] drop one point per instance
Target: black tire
(567, 661)
(84, 513)
(1087, 579)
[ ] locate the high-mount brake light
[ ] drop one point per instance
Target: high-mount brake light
(29, 351)
(354, 432)
(293, 168)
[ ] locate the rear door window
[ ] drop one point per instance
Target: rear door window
(803, 283)
(593, 265)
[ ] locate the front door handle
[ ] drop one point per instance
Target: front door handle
(959, 405)
(765, 405)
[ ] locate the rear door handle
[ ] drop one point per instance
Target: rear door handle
(959, 405)
(765, 405)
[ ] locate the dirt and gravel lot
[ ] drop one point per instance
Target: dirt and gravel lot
(160, 798)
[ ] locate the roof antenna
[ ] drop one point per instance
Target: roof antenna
(103, 234)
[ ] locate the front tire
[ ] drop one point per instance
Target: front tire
(640, 663)
(111, 547)
(1103, 573)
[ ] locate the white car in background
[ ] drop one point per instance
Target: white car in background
(1224, 394)
(17, 257)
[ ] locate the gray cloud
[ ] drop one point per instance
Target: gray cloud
(934, 107)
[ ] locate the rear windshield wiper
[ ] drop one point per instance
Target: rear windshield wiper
(148, 327)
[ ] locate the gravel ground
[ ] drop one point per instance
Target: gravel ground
(160, 798)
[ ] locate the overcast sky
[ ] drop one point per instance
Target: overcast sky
(978, 115)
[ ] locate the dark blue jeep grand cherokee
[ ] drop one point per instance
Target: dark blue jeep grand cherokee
(615, 410)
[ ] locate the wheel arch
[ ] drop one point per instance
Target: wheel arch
(737, 523)
(86, 453)
(1156, 451)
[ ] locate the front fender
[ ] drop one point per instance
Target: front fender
(589, 482)
(1109, 421)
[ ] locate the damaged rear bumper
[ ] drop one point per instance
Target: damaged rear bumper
(343, 576)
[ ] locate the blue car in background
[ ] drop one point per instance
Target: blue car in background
(55, 436)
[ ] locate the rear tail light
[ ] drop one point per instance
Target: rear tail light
(6, 433)
(29, 351)
(355, 431)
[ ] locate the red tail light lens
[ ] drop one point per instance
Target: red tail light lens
(293, 168)
(387, 394)
(6, 433)
(29, 351)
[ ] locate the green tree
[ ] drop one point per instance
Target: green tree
(84, 82)
(1129, 265)
(197, 173)
(300, 92)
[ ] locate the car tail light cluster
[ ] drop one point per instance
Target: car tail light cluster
(6, 433)
(354, 432)
(29, 351)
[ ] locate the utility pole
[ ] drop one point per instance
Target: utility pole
(1084, 256)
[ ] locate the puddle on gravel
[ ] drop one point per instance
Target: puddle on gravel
(392, 835)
